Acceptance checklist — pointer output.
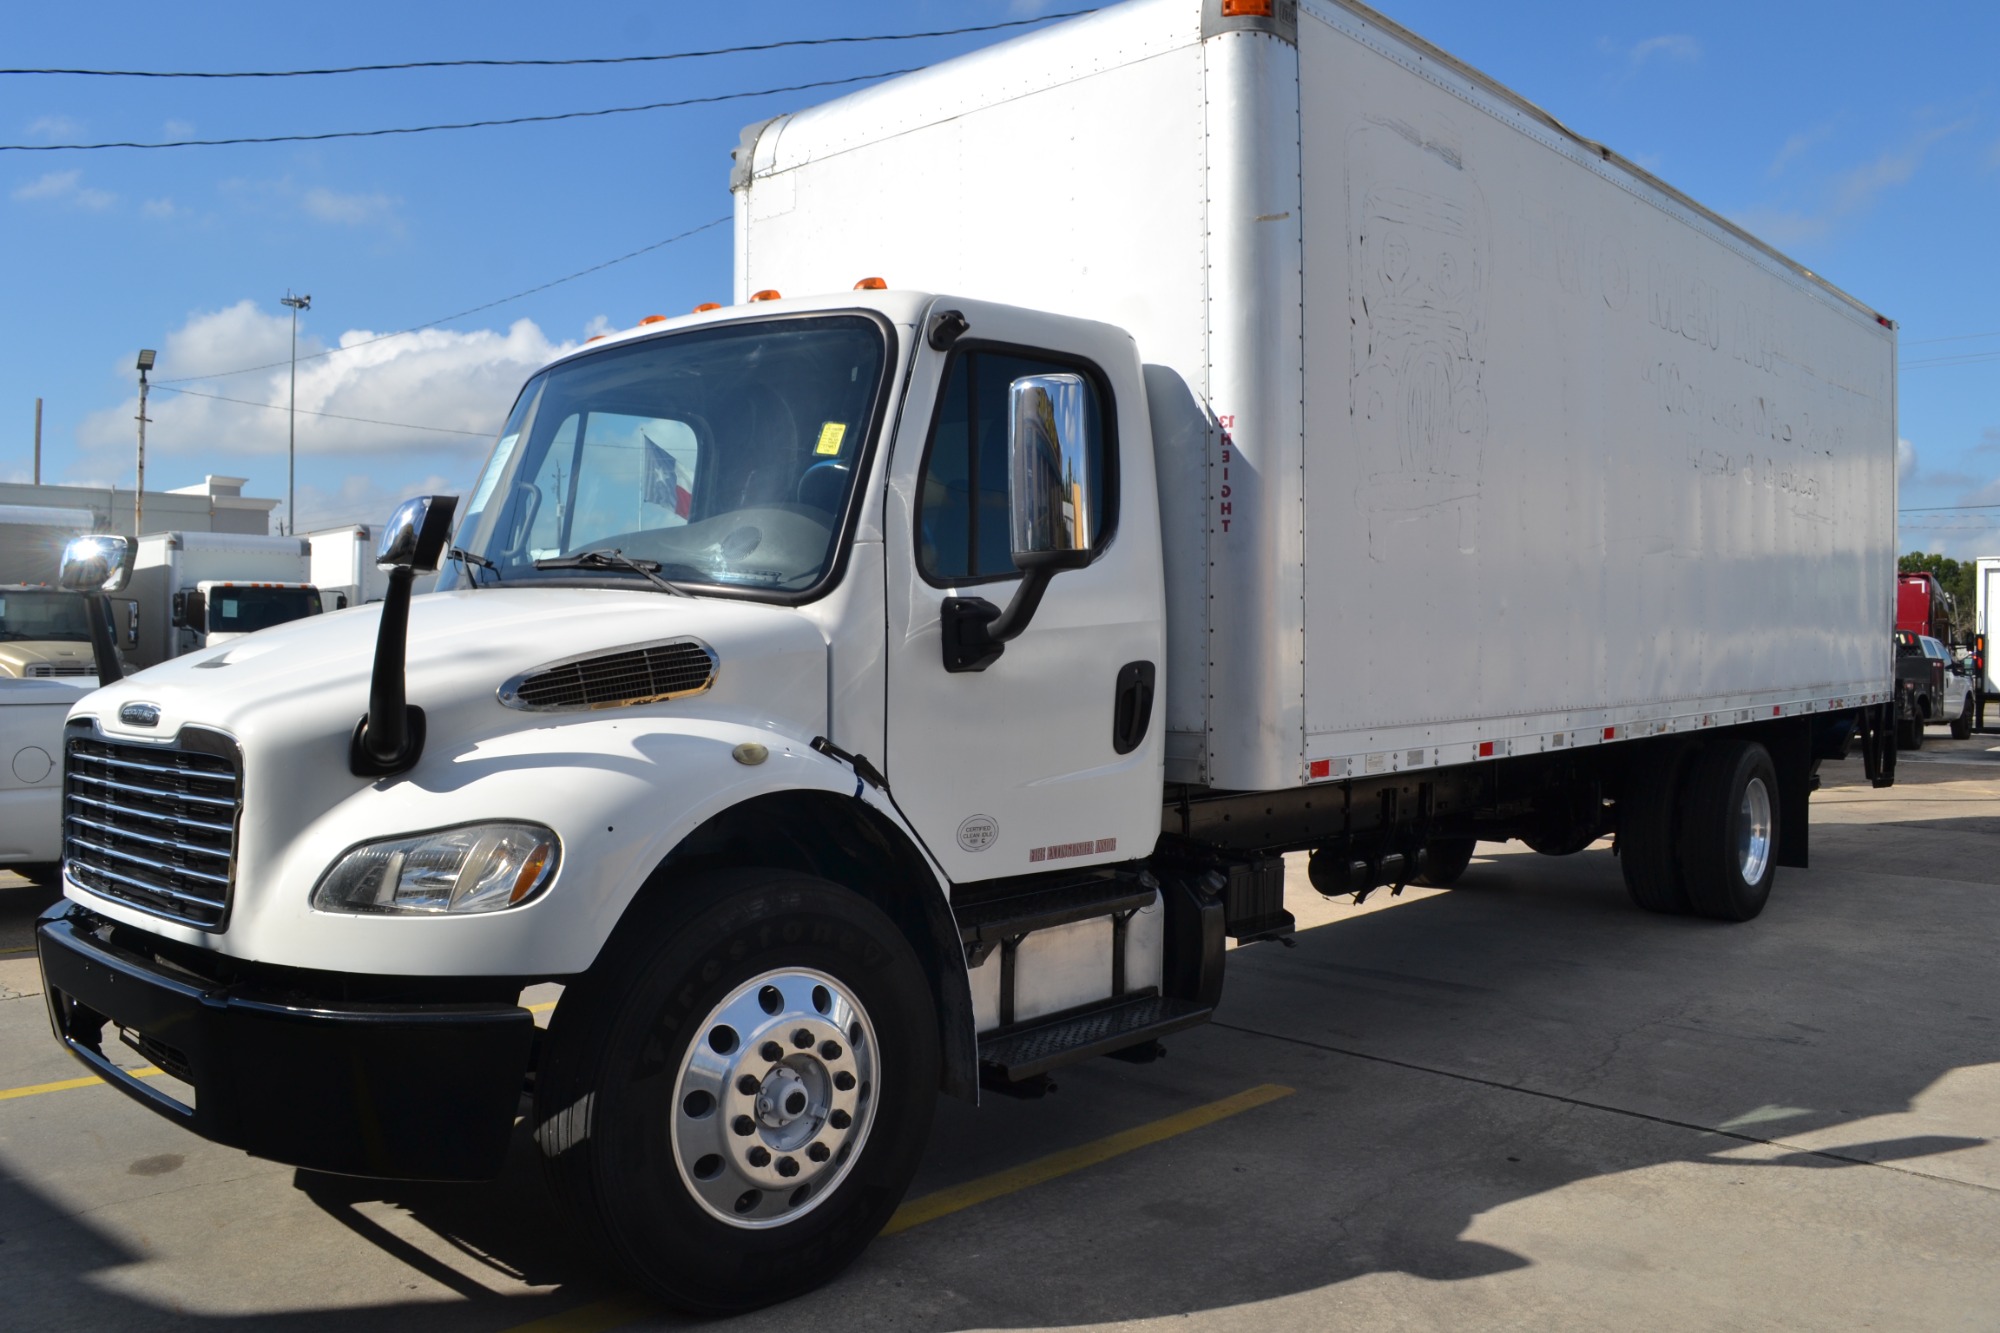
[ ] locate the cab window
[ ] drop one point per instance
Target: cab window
(962, 514)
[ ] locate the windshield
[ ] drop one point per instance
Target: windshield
(242, 610)
(43, 616)
(724, 455)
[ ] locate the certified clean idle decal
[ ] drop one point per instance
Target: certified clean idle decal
(978, 833)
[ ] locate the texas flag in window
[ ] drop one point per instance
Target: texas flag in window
(663, 480)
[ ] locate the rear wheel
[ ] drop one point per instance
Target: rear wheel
(734, 1102)
(1729, 833)
(1442, 861)
(1648, 819)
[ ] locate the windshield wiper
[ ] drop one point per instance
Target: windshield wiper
(467, 557)
(613, 560)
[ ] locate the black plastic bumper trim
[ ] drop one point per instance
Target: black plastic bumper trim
(399, 1091)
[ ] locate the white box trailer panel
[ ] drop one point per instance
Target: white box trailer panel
(1474, 439)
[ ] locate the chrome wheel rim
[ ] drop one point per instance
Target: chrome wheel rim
(1753, 837)
(774, 1098)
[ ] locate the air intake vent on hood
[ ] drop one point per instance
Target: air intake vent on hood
(642, 675)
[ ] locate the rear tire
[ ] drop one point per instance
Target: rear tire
(1729, 833)
(1648, 820)
(1442, 861)
(733, 1102)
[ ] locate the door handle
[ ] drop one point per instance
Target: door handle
(1132, 706)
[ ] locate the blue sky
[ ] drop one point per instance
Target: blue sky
(1866, 146)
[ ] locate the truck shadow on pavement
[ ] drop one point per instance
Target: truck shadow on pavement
(1449, 1057)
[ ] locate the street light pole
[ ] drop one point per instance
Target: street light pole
(297, 303)
(146, 355)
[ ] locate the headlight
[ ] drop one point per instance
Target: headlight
(473, 868)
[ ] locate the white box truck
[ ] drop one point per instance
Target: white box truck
(344, 568)
(850, 694)
(1985, 631)
(197, 589)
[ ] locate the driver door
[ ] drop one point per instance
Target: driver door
(1052, 755)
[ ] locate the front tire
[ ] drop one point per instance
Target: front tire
(1729, 833)
(1961, 726)
(734, 1101)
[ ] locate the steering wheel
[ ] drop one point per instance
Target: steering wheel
(822, 485)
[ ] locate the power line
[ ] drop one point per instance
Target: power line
(458, 125)
(1954, 338)
(1961, 359)
(550, 63)
(1935, 509)
(445, 319)
(336, 416)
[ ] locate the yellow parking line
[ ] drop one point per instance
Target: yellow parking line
(946, 1201)
(600, 1315)
(64, 1085)
(29, 948)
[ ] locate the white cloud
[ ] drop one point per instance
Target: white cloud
(1857, 188)
(177, 129)
(53, 128)
(65, 187)
(1779, 227)
(599, 324)
(318, 202)
(363, 497)
(1027, 9)
(1668, 46)
(1906, 462)
(438, 378)
(351, 210)
(163, 210)
(1797, 146)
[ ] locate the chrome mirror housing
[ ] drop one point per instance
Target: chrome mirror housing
(1051, 491)
(416, 534)
(99, 563)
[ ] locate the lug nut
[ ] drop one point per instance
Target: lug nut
(818, 1152)
(760, 1156)
(829, 1050)
(771, 1051)
(748, 1085)
(843, 1080)
(788, 1167)
(802, 1039)
(840, 1120)
(744, 1126)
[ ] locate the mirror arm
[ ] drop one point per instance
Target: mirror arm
(975, 631)
(102, 645)
(389, 739)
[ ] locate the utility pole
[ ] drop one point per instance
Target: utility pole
(146, 355)
(38, 442)
(297, 303)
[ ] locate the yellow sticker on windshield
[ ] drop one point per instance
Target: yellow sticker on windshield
(830, 436)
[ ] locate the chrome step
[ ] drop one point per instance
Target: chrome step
(1029, 1049)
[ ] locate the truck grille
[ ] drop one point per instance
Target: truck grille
(44, 670)
(154, 825)
(645, 674)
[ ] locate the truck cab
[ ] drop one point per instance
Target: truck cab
(45, 634)
(218, 610)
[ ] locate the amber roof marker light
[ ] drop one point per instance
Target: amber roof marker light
(871, 285)
(768, 294)
(707, 306)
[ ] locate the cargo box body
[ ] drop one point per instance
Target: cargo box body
(1474, 439)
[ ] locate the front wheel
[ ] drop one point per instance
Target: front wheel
(733, 1103)
(1961, 726)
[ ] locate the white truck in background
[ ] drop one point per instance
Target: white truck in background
(344, 568)
(43, 633)
(1985, 631)
(196, 589)
(877, 689)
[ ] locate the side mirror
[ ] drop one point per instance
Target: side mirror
(416, 535)
(95, 564)
(340, 601)
(1053, 503)
(191, 611)
(1052, 487)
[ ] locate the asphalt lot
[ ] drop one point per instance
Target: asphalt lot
(1519, 1103)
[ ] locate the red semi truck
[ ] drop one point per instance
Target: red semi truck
(1924, 607)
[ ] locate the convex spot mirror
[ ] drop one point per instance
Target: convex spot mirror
(95, 564)
(1053, 480)
(416, 535)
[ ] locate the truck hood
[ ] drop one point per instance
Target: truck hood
(18, 655)
(302, 687)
